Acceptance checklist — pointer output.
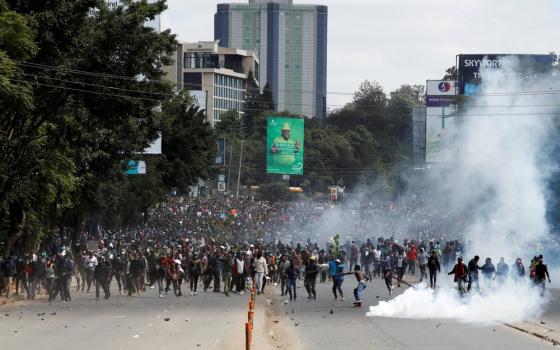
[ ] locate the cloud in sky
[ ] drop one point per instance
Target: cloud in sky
(402, 41)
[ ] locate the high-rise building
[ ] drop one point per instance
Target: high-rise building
(215, 76)
(291, 41)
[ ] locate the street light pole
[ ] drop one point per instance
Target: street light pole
(239, 170)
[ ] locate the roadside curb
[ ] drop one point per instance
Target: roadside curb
(536, 330)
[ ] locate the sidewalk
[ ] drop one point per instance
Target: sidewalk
(547, 326)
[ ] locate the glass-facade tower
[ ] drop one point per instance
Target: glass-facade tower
(291, 41)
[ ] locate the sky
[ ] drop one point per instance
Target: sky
(399, 42)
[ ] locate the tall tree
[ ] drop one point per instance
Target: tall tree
(188, 144)
(266, 100)
(96, 85)
(451, 73)
(252, 105)
(230, 125)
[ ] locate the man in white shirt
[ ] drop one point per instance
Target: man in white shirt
(261, 270)
(90, 264)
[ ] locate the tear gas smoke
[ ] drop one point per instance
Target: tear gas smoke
(498, 180)
(511, 303)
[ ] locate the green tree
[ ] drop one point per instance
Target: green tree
(451, 73)
(252, 105)
(266, 100)
(230, 125)
(80, 125)
(188, 144)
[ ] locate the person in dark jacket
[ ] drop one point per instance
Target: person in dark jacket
(311, 272)
(118, 272)
(541, 274)
(8, 269)
(216, 271)
(433, 268)
(473, 273)
(195, 269)
(227, 266)
(292, 274)
(102, 275)
(62, 278)
(488, 271)
(134, 274)
(518, 270)
(20, 275)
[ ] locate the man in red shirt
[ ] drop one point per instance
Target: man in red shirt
(412, 259)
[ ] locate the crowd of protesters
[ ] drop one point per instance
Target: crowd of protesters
(226, 246)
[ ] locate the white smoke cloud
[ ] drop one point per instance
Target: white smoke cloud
(500, 166)
(512, 303)
(498, 180)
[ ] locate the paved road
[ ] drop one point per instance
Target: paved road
(213, 321)
(310, 325)
(206, 321)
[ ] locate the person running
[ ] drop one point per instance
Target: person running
(261, 270)
(434, 268)
(292, 273)
(423, 264)
(282, 266)
(518, 270)
(388, 272)
(541, 274)
(473, 273)
(101, 276)
(362, 279)
(460, 273)
(195, 269)
(90, 264)
(311, 272)
(338, 280)
(502, 271)
(401, 267)
(488, 271)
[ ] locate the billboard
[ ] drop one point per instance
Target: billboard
(529, 67)
(135, 167)
(284, 146)
(440, 122)
(440, 93)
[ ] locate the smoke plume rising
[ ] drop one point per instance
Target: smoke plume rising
(498, 180)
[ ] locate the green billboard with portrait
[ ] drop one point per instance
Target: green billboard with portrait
(284, 146)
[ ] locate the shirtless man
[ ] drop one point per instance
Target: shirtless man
(361, 278)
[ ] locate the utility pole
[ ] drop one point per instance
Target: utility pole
(229, 168)
(239, 170)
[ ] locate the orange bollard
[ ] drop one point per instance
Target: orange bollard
(247, 336)
(251, 304)
(250, 315)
